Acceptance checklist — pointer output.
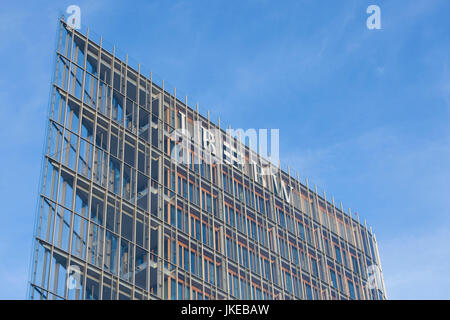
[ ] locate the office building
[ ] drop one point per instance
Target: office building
(119, 218)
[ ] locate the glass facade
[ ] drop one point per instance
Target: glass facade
(119, 219)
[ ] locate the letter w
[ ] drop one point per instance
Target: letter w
(264, 308)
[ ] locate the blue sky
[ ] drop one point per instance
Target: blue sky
(362, 113)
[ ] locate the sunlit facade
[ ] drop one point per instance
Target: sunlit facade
(119, 219)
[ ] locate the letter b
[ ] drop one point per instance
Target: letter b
(245, 309)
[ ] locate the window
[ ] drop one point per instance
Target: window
(301, 231)
(314, 267)
(355, 265)
(309, 295)
(338, 254)
(333, 278)
(351, 289)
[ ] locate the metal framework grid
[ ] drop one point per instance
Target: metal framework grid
(118, 219)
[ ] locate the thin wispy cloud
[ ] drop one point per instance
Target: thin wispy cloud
(416, 265)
